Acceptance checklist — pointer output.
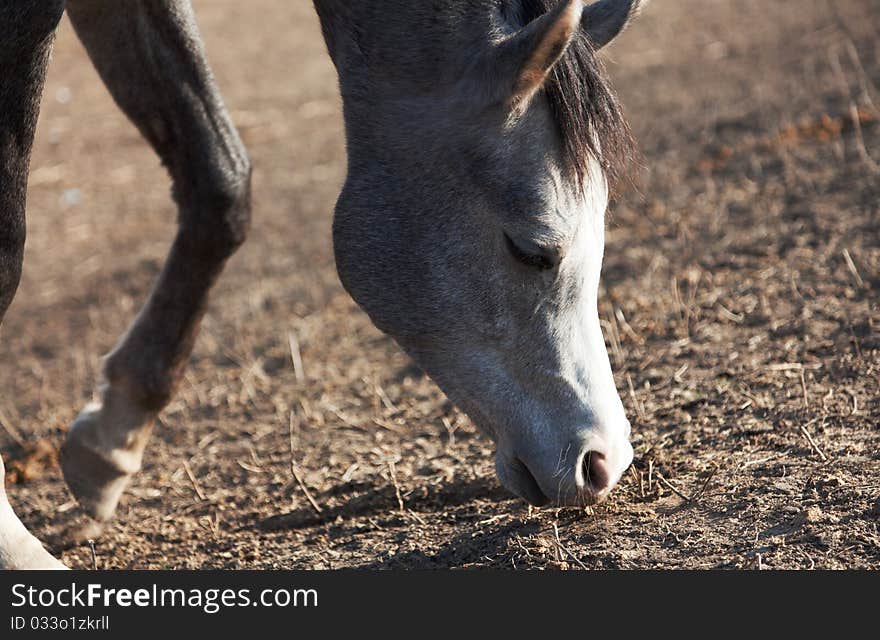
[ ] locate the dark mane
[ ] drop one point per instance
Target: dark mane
(585, 107)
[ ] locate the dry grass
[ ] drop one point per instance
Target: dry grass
(739, 302)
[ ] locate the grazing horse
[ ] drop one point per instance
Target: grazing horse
(482, 137)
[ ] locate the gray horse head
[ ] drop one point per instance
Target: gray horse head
(482, 137)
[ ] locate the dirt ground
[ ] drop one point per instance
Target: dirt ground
(739, 301)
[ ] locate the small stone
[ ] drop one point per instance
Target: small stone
(70, 198)
(831, 482)
(63, 95)
(810, 515)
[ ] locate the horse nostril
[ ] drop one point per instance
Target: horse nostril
(597, 477)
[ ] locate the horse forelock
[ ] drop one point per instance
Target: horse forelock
(585, 108)
(589, 118)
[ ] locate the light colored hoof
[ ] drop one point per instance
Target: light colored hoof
(18, 548)
(103, 451)
(96, 483)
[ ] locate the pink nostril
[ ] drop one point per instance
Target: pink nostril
(597, 477)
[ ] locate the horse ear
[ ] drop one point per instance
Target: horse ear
(523, 60)
(605, 20)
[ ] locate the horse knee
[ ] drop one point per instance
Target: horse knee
(236, 207)
(219, 213)
(12, 234)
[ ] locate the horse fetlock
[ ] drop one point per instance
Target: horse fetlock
(104, 449)
(146, 367)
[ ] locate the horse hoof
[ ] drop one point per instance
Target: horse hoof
(103, 451)
(27, 554)
(96, 483)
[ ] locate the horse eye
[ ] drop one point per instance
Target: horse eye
(531, 255)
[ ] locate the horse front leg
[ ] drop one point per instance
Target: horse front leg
(19, 549)
(150, 56)
(27, 28)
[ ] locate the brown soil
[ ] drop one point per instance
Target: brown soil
(740, 302)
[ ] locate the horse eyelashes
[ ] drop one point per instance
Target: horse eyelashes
(534, 260)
